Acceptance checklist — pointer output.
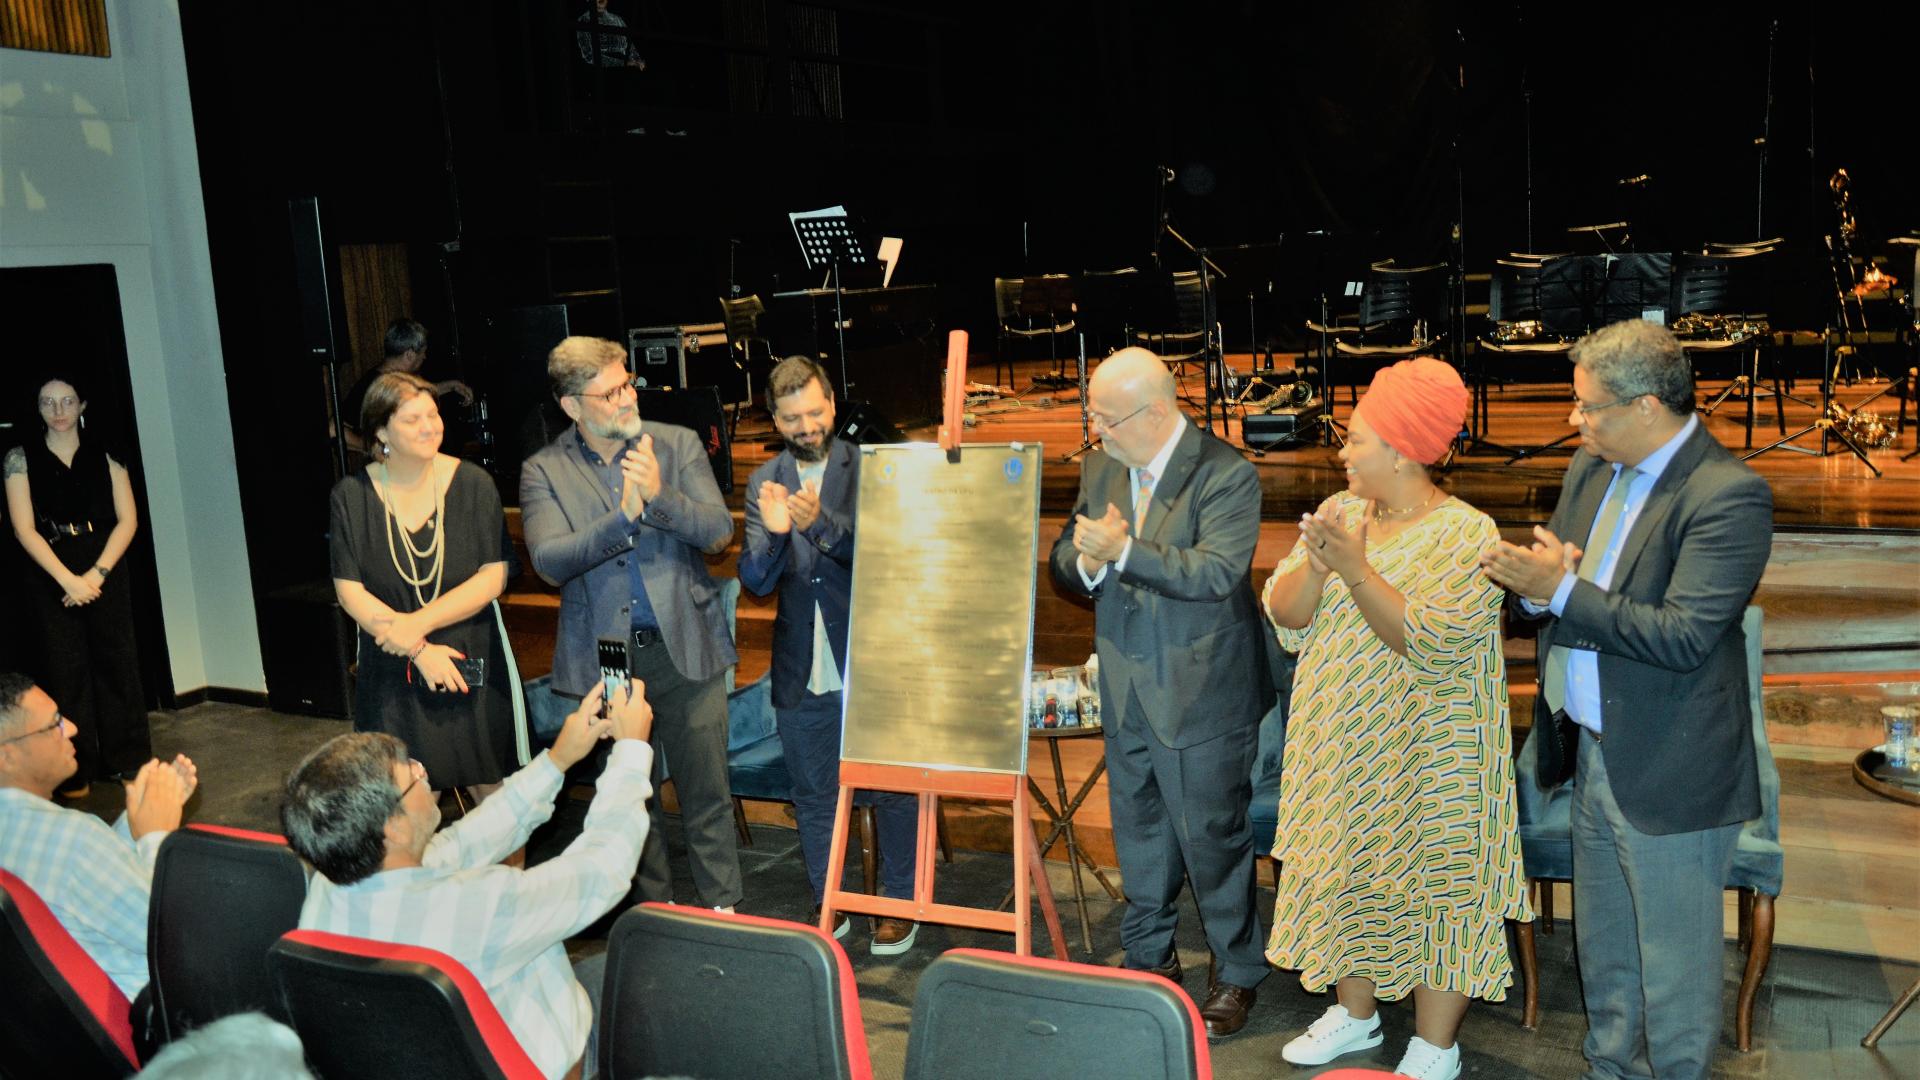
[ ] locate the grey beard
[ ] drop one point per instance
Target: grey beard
(613, 430)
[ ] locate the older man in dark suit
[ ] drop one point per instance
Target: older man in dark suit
(1643, 663)
(619, 514)
(1162, 539)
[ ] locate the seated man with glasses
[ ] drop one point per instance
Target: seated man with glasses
(361, 811)
(96, 878)
(620, 513)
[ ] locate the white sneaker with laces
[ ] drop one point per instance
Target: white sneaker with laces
(1425, 1061)
(1337, 1032)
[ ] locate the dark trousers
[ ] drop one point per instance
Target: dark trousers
(1181, 814)
(690, 744)
(93, 673)
(810, 738)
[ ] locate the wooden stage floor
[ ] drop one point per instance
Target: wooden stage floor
(1832, 491)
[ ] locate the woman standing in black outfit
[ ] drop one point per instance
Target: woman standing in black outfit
(418, 556)
(72, 510)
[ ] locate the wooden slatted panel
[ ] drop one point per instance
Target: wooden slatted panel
(77, 27)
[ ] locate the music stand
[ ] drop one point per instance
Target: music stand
(1048, 296)
(826, 239)
(1578, 294)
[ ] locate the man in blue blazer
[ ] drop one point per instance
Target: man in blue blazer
(1643, 672)
(619, 514)
(800, 521)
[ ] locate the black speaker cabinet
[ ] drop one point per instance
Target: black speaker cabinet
(307, 644)
(1292, 424)
(861, 423)
(697, 408)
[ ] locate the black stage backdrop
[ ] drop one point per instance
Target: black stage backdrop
(998, 138)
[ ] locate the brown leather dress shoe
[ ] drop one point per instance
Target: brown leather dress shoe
(1226, 1009)
(891, 937)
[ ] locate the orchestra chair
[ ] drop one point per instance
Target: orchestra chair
(373, 1010)
(221, 898)
(1403, 313)
(980, 1015)
(1546, 844)
(1728, 284)
(64, 1016)
(1027, 309)
(677, 976)
(757, 761)
(1104, 308)
(1179, 322)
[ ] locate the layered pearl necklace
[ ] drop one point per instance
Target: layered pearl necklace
(434, 554)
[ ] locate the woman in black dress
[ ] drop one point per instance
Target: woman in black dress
(72, 509)
(418, 556)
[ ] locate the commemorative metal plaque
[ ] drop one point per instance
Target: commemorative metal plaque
(940, 639)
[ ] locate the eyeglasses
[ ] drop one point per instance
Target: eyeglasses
(1104, 425)
(58, 719)
(65, 404)
(1588, 410)
(615, 394)
(419, 774)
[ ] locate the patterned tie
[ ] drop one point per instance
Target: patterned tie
(1604, 526)
(1142, 498)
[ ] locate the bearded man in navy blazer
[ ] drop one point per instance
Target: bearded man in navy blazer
(620, 514)
(799, 538)
(1643, 661)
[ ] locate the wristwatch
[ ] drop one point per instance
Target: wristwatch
(104, 570)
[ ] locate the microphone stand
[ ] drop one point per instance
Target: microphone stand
(1086, 424)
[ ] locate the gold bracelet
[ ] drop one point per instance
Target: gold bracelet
(1355, 587)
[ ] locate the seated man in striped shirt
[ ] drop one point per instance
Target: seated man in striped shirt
(96, 878)
(362, 813)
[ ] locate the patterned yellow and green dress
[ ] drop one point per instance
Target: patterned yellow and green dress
(1399, 855)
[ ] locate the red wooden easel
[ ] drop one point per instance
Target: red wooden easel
(930, 784)
(1029, 873)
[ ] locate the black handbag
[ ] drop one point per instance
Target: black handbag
(1557, 739)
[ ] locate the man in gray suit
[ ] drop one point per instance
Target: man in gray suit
(1643, 661)
(619, 514)
(1162, 539)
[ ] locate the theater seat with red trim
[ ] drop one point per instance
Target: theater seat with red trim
(372, 1009)
(62, 1016)
(221, 898)
(981, 1015)
(694, 992)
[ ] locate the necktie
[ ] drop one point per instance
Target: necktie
(1142, 498)
(1554, 686)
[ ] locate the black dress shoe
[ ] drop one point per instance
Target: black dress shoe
(1226, 1009)
(1169, 971)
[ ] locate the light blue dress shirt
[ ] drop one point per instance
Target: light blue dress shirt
(1583, 665)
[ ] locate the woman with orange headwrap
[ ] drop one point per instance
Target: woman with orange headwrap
(1399, 856)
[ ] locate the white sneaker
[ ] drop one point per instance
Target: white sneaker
(1336, 1032)
(1425, 1061)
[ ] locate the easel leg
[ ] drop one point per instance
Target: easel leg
(1028, 852)
(837, 858)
